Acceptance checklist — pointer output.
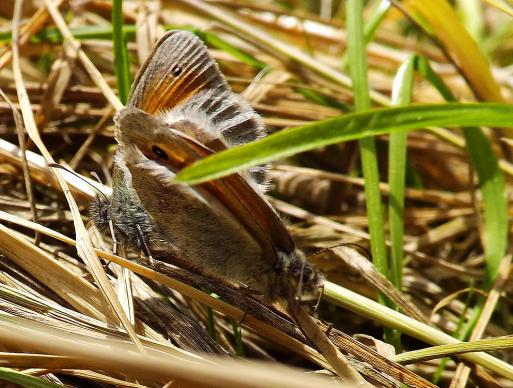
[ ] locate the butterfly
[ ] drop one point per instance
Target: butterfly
(180, 110)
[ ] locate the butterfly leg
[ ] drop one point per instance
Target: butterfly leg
(329, 326)
(146, 249)
(114, 239)
(241, 320)
(319, 299)
(299, 293)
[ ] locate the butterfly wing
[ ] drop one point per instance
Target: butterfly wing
(181, 81)
(179, 84)
(176, 151)
(178, 68)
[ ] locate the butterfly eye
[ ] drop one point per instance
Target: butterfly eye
(159, 152)
(176, 70)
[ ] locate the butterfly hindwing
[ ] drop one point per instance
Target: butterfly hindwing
(225, 121)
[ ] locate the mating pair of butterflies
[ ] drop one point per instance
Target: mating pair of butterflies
(180, 110)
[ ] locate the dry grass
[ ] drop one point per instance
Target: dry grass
(73, 313)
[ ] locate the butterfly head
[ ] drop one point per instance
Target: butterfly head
(297, 277)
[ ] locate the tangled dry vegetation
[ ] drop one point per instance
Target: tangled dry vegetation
(289, 60)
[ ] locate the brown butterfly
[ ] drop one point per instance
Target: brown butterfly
(180, 110)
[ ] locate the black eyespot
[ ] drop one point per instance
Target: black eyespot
(176, 70)
(159, 152)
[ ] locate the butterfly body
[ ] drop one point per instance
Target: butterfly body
(182, 110)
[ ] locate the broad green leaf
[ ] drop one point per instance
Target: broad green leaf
(344, 128)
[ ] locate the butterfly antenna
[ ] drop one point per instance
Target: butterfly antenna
(145, 246)
(329, 326)
(113, 236)
(97, 177)
(56, 165)
(243, 318)
(361, 247)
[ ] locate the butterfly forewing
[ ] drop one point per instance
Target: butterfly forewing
(178, 68)
(181, 81)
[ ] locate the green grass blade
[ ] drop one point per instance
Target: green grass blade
(321, 99)
(221, 44)
(216, 41)
(237, 338)
(471, 12)
(401, 95)
(211, 324)
(24, 380)
(491, 184)
(356, 54)
(52, 34)
(368, 154)
(422, 66)
(370, 27)
(368, 308)
(358, 67)
(121, 63)
(375, 19)
(484, 345)
(345, 128)
(495, 203)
